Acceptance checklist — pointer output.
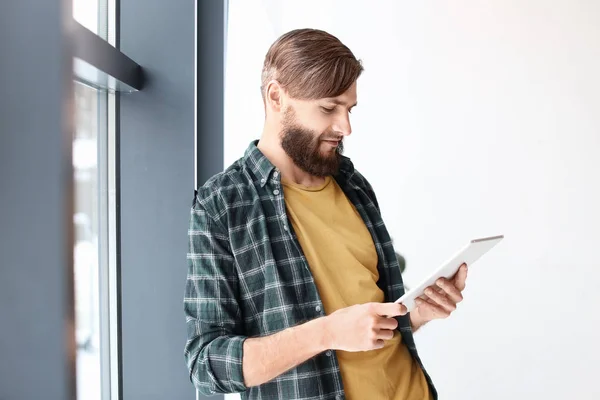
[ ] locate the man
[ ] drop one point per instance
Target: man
(292, 274)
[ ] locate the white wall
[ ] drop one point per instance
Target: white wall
(474, 119)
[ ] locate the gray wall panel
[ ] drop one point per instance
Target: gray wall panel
(36, 276)
(157, 182)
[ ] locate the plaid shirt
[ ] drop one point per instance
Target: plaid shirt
(248, 277)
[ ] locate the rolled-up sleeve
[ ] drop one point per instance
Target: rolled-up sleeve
(215, 336)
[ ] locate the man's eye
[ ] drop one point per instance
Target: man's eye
(327, 110)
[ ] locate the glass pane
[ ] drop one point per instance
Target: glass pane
(91, 163)
(86, 255)
(93, 14)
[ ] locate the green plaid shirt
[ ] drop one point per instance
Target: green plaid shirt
(248, 277)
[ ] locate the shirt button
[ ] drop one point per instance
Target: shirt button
(318, 308)
(262, 180)
(275, 174)
(285, 228)
(328, 353)
(276, 192)
(338, 397)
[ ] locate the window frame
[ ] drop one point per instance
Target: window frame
(99, 64)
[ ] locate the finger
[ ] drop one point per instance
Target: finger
(384, 334)
(436, 288)
(460, 277)
(386, 323)
(449, 290)
(431, 308)
(441, 299)
(389, 309)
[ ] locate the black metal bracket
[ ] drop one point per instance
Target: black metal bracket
(99, 64)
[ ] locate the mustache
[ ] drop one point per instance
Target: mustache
(336, 139)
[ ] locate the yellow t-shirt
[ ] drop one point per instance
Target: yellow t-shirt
(343, 261)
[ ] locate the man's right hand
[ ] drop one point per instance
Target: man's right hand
(362, 327)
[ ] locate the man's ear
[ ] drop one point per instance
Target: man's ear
(274, 96)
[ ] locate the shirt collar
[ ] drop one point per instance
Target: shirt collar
(262, 168)
(258, 163)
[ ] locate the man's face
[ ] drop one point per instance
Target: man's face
(313, 131)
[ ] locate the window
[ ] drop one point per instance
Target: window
(87, 231)
(94, 219)
(92, 14)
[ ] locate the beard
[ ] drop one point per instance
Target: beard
(303, 146)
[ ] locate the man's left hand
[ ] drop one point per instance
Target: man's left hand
(439, 300)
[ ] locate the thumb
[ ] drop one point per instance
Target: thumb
(390, 309)
(461, 277)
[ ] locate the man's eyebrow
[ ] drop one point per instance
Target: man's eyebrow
(341, 103)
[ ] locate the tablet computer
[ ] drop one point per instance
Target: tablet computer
(470, 253)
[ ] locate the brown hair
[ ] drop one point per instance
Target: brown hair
(310, 64)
